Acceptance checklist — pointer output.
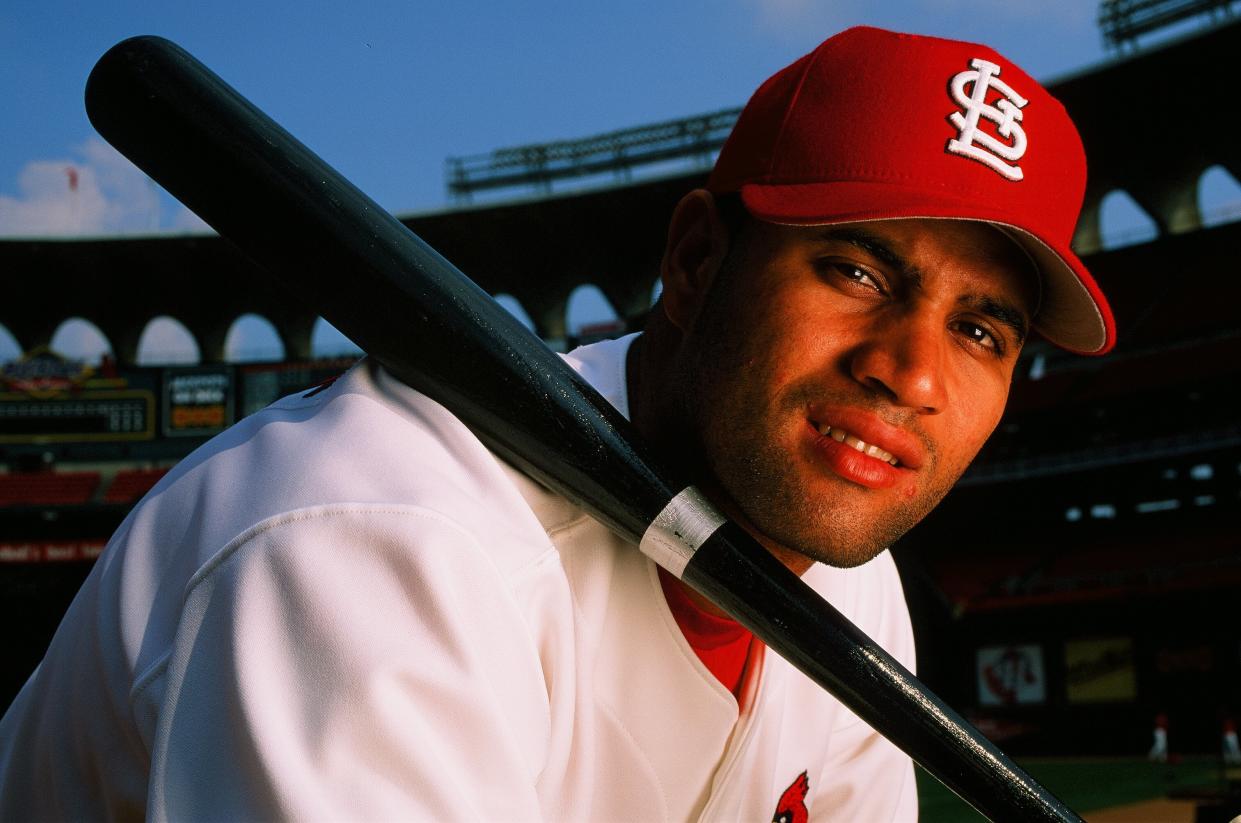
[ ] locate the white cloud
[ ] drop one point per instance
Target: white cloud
(94, 191)
(798, 18)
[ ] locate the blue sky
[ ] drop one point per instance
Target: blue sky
(386, 91)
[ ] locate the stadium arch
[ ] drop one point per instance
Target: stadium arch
(252, 338)
(328, 341)
(589, 309)
(10, 348)
(1219, 196)
(1123, 222)
(513, 306)
(79, 339)
(165, 341)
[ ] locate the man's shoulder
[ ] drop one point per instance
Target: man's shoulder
(365, 441)
(872, 597)
(368, 438)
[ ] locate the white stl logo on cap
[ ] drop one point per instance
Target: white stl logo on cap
(1006, 114)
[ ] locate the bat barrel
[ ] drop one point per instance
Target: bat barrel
(436, 331)
(362, 269)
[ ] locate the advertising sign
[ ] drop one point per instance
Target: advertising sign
(1011, 675)
(1100, 670)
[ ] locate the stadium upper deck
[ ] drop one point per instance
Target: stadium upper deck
(1149, 121)
(1112, 489)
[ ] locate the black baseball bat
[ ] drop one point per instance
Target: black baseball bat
(435, 330)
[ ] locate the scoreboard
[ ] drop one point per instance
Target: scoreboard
(45, 399)
(84, 416)
(198, 401)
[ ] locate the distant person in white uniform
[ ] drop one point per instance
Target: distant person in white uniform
(1230, 750)
(1159, 743)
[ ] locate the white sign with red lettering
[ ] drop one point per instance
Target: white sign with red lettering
(1011, 675)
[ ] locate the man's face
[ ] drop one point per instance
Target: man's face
(900, 334)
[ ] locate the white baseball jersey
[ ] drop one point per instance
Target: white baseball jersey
(346, 608)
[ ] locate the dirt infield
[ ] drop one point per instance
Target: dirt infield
(1147, 811)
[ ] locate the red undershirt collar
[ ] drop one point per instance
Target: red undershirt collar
(721, 643)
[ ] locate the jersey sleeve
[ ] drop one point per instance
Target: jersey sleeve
(351, 664)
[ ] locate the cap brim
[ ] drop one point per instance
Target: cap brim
(1073, 313)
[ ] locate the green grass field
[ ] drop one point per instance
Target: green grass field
(1085, 785)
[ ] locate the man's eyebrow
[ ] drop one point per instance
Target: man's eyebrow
(1002, 311)
(876, 248)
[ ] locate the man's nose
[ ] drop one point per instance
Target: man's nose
(905, 360)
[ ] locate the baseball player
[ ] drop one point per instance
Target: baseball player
(346, 607)
(1159, 746)
(1230, 750)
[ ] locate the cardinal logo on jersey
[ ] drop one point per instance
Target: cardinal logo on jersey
(970, 90)
(791, 807)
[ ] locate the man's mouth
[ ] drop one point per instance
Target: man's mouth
(841, 436)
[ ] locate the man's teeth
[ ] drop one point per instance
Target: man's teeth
(842, 436)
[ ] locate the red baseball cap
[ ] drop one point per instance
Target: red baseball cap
(876, 125)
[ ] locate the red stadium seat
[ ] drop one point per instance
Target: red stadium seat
(48, 488)
(131, 484)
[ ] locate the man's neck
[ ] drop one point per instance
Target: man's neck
(638, 365)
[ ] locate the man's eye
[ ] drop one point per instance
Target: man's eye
(857, 274)
(981, 336)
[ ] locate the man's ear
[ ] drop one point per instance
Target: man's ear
(697, 245)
